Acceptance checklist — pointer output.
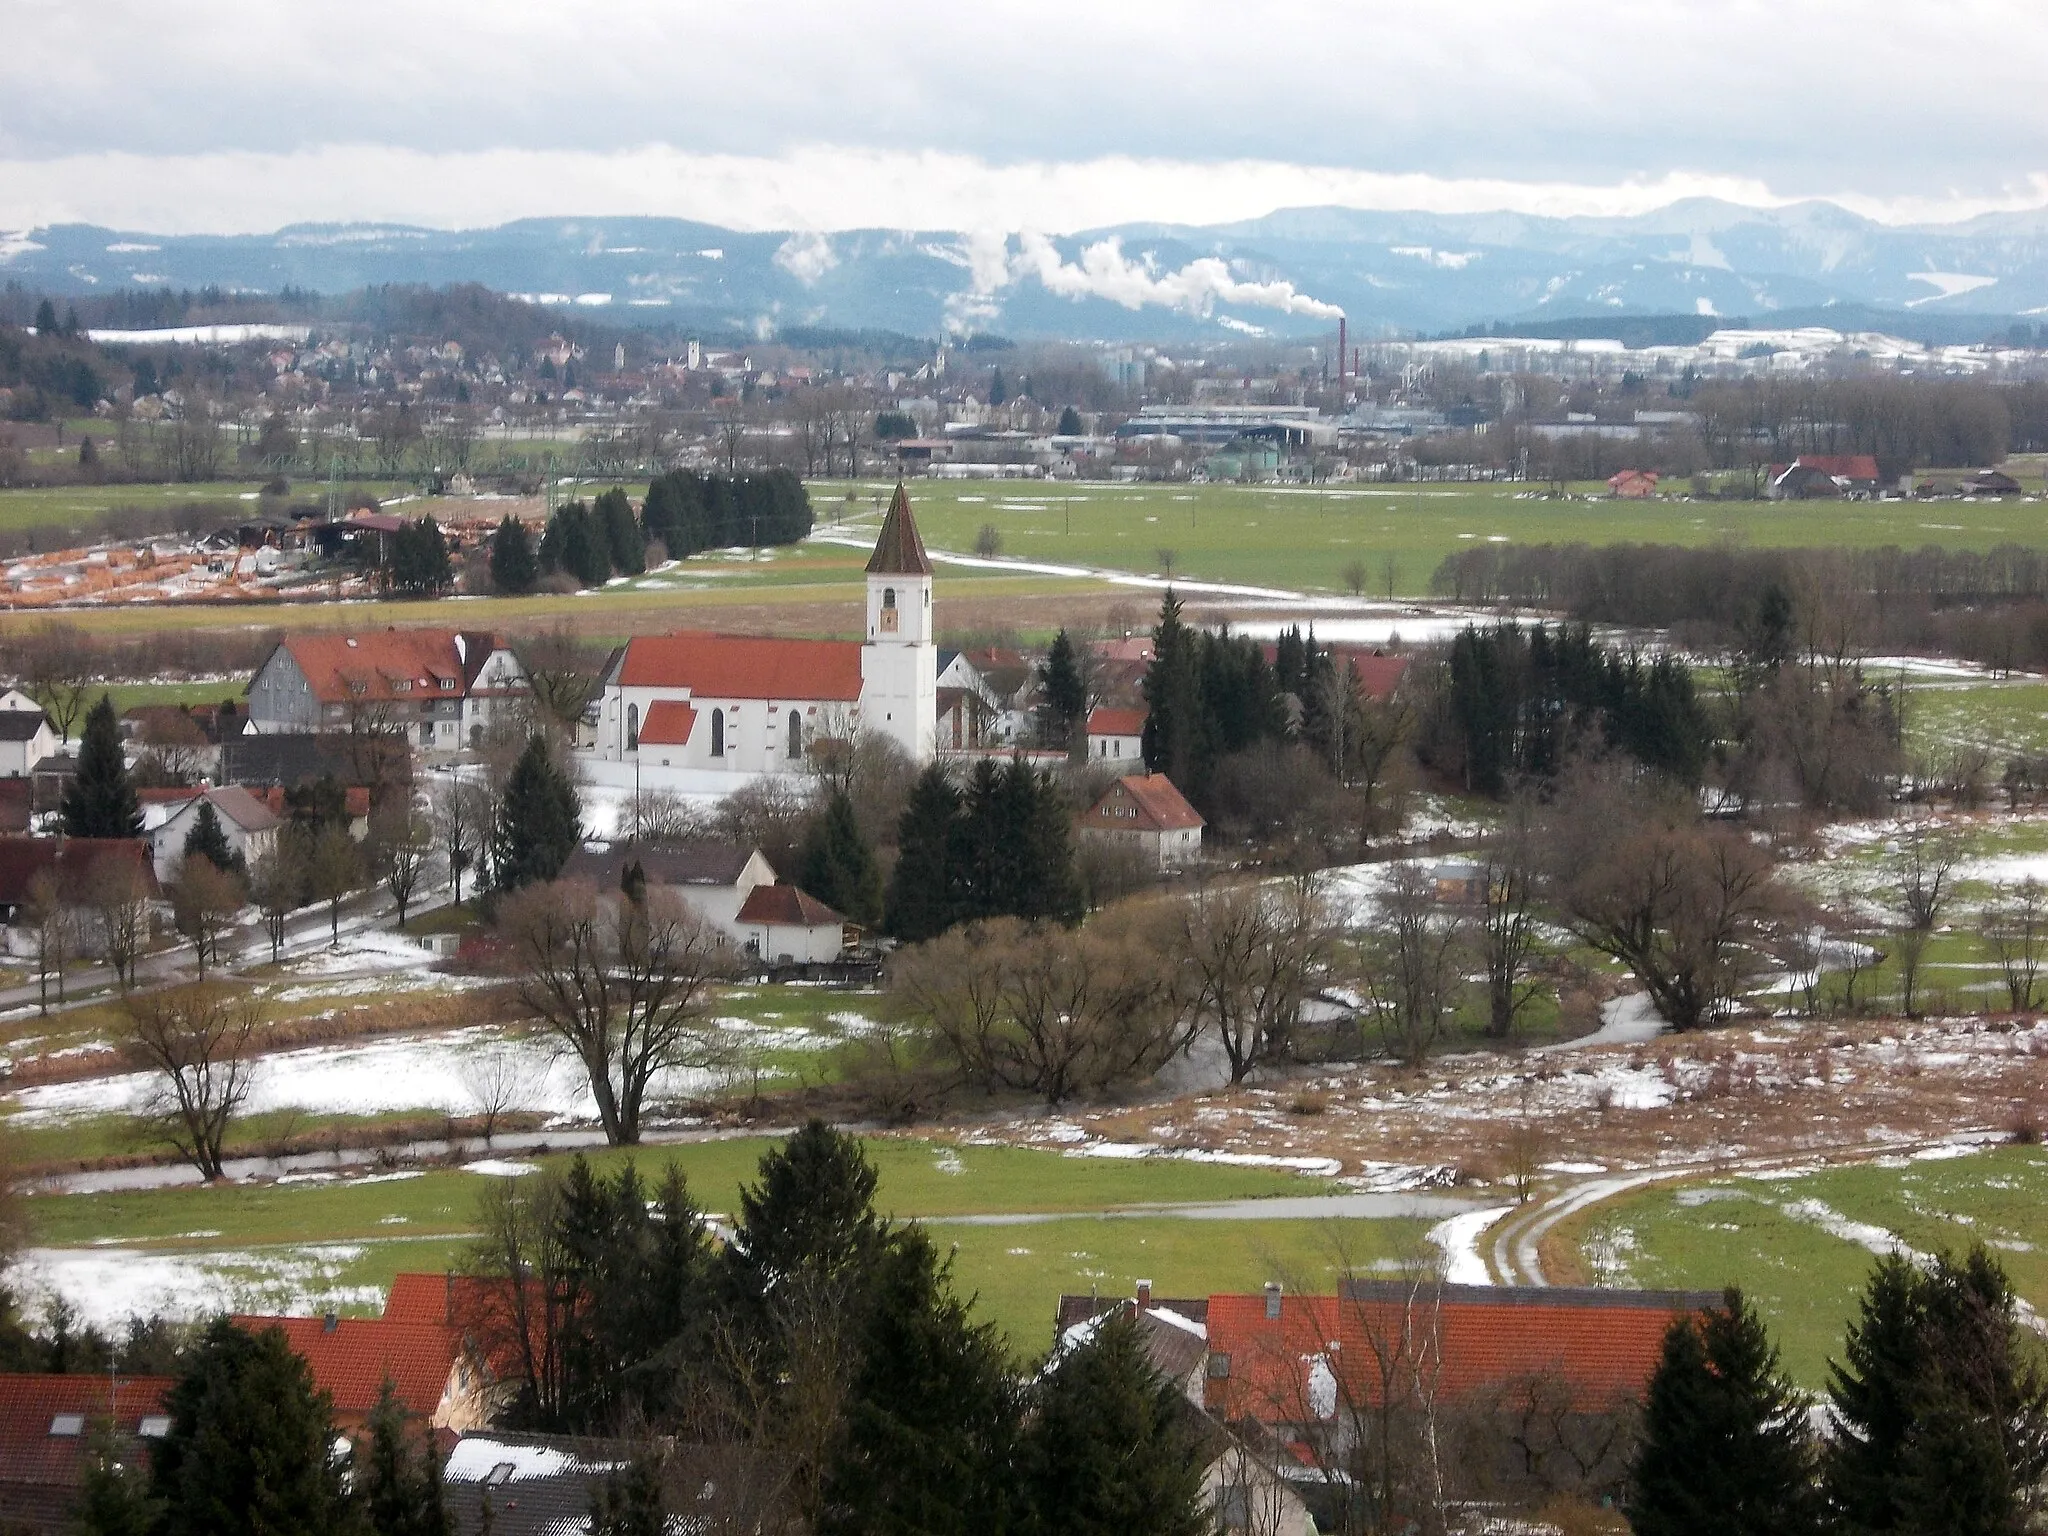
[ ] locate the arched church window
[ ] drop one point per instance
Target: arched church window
(718, 733)
(632, 727)
(796, 734)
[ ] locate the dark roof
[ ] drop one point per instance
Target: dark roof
(899, 551)
(1175, 1334)
(20, 724)
(784, 906)
(1078, 1309)
(695, 863)
(541, 1485)
(73, 858)
(31, 1457)
(283, 758)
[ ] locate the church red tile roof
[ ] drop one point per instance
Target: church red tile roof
(350, 1357)
(668, 724)
(899, 551)
(1159, 807)
(784, 906)
(1601, 1345)
(739, 667)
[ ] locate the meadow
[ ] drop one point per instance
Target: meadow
(1802, 1244)
(1074, 1224)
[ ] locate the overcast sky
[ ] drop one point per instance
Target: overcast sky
(238, 115)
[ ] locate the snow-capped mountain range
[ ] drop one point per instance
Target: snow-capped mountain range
(1289, 273)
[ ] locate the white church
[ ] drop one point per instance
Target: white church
(688, 711)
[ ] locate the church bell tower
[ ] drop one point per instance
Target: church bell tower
(899, 665)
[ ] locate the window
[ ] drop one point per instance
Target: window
(890, 619)
(68, 1424)
(154, 1426)
(426, 733)
(718, 733)
(796, 734)
(1219, 1367)
(632, 727)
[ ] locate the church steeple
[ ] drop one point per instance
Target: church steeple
(899, 551)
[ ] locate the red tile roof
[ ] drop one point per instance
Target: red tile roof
(29, 1453)
(899, 551)
(1159, 807)
(741, 667)
(1844, 466)
(73, 858)
(668, 724)
(1378, 673)
(1117, 722)
(367, 668)
(785, 906)
(351, 1358)
(1454, 1340)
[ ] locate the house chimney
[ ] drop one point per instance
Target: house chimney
(330, 1322)
(1272, 1300)
(1144, 1293)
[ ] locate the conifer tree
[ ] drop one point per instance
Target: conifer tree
(1070, 422)
(922, 887)
(931, 1417)
(419, 558)
(398, 1476)
(1179, 737)
(113, 1497)
(1725, 1449)
(208, 840)
(838, 866)
(1941, 1414)
(813, 1207)
(539, 820)
(623, 540)
(1063, 691)
(1108, 1451)
(1051, 886)
(249, 1450)
(100, 800)
(514, 566)
(573, 542)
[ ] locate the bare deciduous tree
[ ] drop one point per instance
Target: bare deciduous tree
(463, 819)
(403, 840)
(334, 868)
(1923, 861)
(1251, 956)
(499, 1080)
(200, 1041)
(277, 884)
(53, 925)
(205, 900)
(1507, 922)
(1408, 961)
(2016, 926)
(626, 985)
(117, 891)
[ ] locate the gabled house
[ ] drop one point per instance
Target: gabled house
(74, 861)
(781, 925)
(44, 1422)
(26, 738)
(714, 878)
(1632, 484)
(427, 1364)
(1146, 812)
(1991, 482)
(1822, 475)
(438, 688)
(168, 816)
(1117, 737)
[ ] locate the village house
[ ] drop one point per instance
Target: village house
(1117, 737)
(74, 862)
(350, 1358)
(442, 689)
(1632, 484)
(26, 738)
(781, 925)
(714, 878)
(1821, 475)
(44, 1440)
(691, 710)
(1145, 812)
(168, 816)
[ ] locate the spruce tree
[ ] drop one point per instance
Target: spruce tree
(838, 866)
(208, 840)
(932, 1414)
(113, 1497)
(1109, 1451)
(249, 1451)
(100, 800)
(922, 887)
(813, 1208)
(1725, 1449)
(398, 1475)
(1179, 738)
(539, 820)
(1941, 1416)
(1063, 692)
(623, 540)
(1070, 422)
(514, 566)
(1051, 885)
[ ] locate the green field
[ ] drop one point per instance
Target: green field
(2002, 716)
(379, 1225)
(1304, 537)
(1771, 1236)
(73, 506)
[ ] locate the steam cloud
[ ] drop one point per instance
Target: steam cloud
(1105, 272)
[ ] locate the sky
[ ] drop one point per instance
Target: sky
(233, 116)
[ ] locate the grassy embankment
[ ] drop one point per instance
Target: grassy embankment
(1771, 1235)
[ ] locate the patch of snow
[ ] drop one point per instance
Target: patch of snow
(1457, 1239)
(496, 1168)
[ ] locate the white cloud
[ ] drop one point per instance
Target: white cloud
(806, 257)
(1105, 272)
(815, 188)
